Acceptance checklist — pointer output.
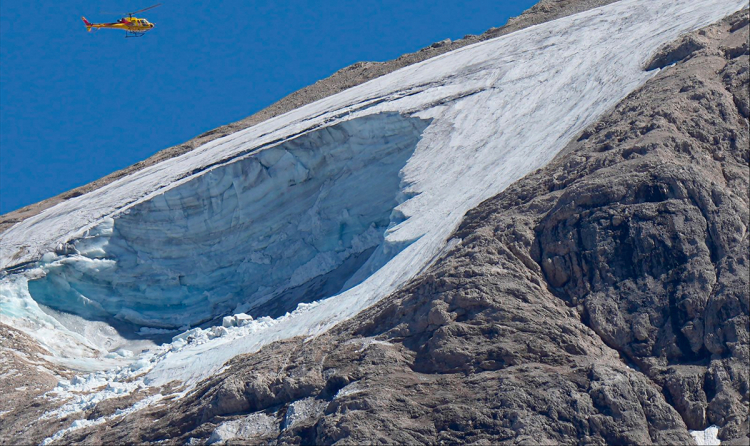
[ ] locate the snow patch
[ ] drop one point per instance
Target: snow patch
(707, 437)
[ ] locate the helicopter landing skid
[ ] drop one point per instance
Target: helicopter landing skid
(129, 34)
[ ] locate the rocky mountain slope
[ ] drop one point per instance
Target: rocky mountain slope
(602, 299)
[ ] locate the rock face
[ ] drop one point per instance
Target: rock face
(653, 249)
(600, 300)
(26, 377)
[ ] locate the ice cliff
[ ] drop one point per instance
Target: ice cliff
(287, 224)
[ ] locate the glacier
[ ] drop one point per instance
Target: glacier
(308, 218)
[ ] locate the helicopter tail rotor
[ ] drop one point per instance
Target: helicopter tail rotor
(87, 23)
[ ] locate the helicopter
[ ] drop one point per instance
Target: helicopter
(133, 26)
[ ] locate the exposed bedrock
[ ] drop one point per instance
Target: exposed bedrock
(600, 300)
(653, 247)
(290, 223)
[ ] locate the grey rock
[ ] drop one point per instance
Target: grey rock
(685, 385)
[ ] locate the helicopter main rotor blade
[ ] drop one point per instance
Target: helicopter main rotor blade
(146, 9)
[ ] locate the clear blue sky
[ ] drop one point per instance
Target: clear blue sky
(76, 106)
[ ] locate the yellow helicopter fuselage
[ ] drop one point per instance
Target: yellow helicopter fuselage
(133, 26)
(129, 24)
